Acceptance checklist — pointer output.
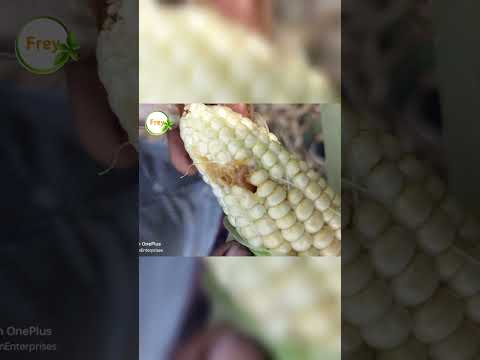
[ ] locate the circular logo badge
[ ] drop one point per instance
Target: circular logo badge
(44, 45)
(158, 123)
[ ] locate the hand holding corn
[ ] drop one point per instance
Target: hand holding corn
(273, 199)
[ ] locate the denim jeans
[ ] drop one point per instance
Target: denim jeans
(181, 212)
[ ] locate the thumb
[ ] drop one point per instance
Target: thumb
(255, 14)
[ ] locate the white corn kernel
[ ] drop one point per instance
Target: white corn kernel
(257, 212)
(323, 202)
(301, 180)
(294, 232)
(259, 149)
(313, 190)
(266, 189)
(269, 159)
(276, 197)
(258, 177)
(279, 211)
(295, 196)
(273, 240)
(292, 168)
(323, 238)
(302, 244)
(277, 172)
(304, 210)
(314, 223)
(265, 226)
(287, 221)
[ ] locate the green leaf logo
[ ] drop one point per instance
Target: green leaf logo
(158, 123)
(61, 58)
(167, 125)
(68, 50)
(45, 53)
(72, 42)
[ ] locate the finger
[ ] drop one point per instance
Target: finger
(98, 128)
(232, 346)
(242, 109)
(219, 343)
(232, 248)
(198, 345)
(255, 14)
(178, 154)
(180, 108)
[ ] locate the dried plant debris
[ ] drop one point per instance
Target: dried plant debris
(299, 129)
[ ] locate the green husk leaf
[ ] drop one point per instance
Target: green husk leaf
(332, 134)
(233, 232)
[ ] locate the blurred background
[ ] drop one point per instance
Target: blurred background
(269, 58)
(69, 236)
(408, 67)
(311, 27)
(389, 71)
(240, 308)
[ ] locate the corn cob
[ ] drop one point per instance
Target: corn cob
(117, 58)
(275, 201)
(292, 305)
(408, 290)
(191, 54)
